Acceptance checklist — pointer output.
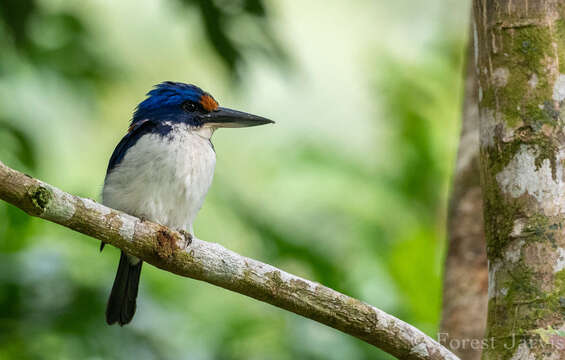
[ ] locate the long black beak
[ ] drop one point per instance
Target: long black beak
(224, 117)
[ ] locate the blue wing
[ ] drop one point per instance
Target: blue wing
(135, 132)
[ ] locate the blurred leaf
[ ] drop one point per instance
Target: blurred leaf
(15, 15)
(20, 146)
(217, 18)
(215, 24)
(254, 7)
(59, 42)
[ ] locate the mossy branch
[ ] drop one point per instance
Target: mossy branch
(210, 262)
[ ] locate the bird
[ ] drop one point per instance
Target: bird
(161, 171)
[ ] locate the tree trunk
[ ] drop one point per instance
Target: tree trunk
(465, 282)
(521, 65)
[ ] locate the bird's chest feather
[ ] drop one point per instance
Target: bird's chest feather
(163, 178)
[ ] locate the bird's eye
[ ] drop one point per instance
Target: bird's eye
(189, 106)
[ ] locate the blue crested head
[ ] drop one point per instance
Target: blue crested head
(175, 102)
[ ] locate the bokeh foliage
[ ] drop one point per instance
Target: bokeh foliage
(372, 229)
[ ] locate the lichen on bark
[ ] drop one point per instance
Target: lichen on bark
(521, 68)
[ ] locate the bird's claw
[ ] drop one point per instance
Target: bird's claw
(187, 239)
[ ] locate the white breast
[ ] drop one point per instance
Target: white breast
(163, 179)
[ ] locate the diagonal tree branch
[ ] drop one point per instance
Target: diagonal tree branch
(210, 262)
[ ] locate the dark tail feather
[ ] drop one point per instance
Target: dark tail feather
(121, 304)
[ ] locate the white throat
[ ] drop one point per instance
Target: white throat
(203, 131)
(164, 179)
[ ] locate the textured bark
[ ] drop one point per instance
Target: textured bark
(465, 283)
(210, 262)
(521, 62)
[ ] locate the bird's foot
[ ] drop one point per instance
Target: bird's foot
(187, 239)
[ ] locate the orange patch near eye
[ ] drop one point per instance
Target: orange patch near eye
(208, 103)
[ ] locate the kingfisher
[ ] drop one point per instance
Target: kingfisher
(162, 169)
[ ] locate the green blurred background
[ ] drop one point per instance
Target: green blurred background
(349, 188)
